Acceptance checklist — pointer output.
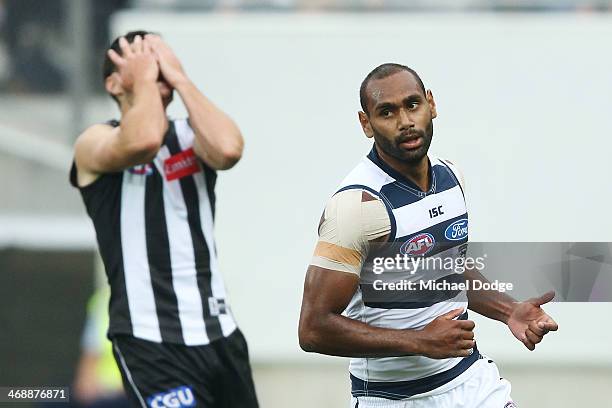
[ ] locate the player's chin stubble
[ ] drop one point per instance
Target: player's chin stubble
(393, 149)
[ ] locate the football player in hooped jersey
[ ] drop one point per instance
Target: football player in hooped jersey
(417, 352)
(148, 185)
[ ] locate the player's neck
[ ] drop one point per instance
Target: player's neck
(417, 172)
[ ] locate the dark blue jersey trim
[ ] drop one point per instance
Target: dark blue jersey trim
(400, 178)
(454, 177)
(399, 390)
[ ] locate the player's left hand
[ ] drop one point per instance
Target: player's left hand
(529, 323)
(169, 65)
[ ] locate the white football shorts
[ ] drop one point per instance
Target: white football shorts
(480, 386)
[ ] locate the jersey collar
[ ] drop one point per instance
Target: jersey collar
(400, 178)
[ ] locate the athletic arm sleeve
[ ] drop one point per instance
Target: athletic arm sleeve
(351, 220)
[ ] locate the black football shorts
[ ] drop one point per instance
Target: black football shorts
(160, 375)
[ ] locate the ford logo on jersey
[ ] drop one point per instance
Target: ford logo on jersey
(457, 230)
(176, 398)
(418, 245)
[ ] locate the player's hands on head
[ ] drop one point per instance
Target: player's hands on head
(136, 62)
(529, 323)
(445, 337)
(169, 64)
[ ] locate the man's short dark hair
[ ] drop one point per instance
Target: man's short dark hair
(381, 72)
(108, 67)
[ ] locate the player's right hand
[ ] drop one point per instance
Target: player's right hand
(445, 337)
(136, 62)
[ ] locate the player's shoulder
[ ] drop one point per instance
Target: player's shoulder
(452, 167)
(95, 131)
(351, 200)
(442, 160)
(354, 210)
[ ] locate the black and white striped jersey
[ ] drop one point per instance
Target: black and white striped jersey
(154, 226)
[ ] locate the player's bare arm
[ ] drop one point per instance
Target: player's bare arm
(218, 141)
(102, 148)
(526, 320)
(351, 221)
(324, 330)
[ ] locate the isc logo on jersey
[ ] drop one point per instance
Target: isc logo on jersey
(176, 398)
(457, 230)
(418, 245)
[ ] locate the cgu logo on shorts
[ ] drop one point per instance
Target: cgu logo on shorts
(457, 230)
(418, 245)
(179, 397)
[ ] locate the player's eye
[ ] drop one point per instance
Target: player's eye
(413, 105)
(385, 113)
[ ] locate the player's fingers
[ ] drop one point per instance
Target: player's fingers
(536, 328)
(116, 58)
(466, 344)
(452, 314)
(465, 352)
(545, 298)
(147, 45)
(532, 337)
(528, 344)
(548, 325)
(467, 335)
(466, 324)
(137, 44)
(126, 50)
(154, 39)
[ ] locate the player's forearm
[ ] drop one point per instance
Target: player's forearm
(144, 124)
(490, 303)
(337, 335)
(216, 133)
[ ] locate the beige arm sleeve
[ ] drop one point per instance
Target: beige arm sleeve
(351, 220)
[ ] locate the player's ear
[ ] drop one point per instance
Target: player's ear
(365, 124)
(432, 104)
(112, 83)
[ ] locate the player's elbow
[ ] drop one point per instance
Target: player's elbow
(309, 336)
(230, 154)
(308, 341)
(229, 158)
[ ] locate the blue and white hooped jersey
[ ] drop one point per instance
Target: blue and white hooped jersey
(422, 224)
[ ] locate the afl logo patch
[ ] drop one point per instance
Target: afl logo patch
(419, 245)
(457, 230)
(141, 170)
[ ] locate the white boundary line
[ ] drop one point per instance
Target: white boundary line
(35, 148)
(46, 232)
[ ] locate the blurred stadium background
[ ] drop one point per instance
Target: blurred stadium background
(524, 94)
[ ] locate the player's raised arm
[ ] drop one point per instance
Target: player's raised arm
(102, 148)
(218, 141)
